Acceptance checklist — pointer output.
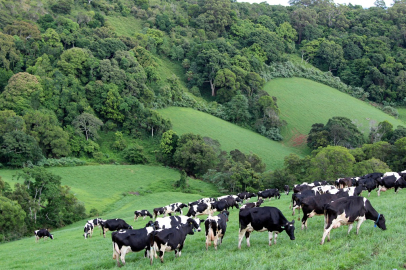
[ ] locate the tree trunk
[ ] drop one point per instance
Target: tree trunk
(152, 131)
(213, 93)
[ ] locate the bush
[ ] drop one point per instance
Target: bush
(61, 162)
(135, 154)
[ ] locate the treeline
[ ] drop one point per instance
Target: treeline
(39, 201)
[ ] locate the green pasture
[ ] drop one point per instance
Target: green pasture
(100, 186)
(304, 102)
(371, 249)
(125, 26)
(230, 136)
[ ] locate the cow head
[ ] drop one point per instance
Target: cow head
(290, 229)
(150, 224)
(198, 221)
(226, 213)
(192, 225)
(182, 205)
(51, 236)
(129, 227)
(380, 222)
(88, 227)
(259, 202)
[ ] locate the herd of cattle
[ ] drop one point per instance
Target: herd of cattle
(339, 202)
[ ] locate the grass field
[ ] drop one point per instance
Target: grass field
(100, 186)
(230, 136)
(125, 26)
(304, 102)
(371, 249)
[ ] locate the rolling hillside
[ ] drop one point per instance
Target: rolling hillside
(304, 102)
(100, 186)
(230, 136)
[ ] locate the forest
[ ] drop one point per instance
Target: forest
(75, 90)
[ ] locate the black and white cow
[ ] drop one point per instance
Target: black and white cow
(220, 205)
(286, 189)
(347, 210)
(42, 233)
(252, 205)
(298, 197)
(343, 182)
(391, 180)
(141, 213)
(262, 219)
(245, 195)
(88, 230)
(200, 209)
(173, 239)
(269, 193)
(367, 184)
(324, 188)
(203, 200)
(352, 191)
(314, 206)
(114, 225)
(302, 187)
(216, 228)
(174, 221)
(233, 201)
(169, 209)
(126, 241)
(96, 223)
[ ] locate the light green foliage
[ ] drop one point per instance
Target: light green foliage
(135, 154)
(119, 142)
(12, 218)
(88, 124)
(22, 91)
(74, 62)
(370, 165)
(331, 162)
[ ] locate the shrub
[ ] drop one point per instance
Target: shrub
(135, 154)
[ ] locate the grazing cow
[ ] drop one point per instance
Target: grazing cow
(352, 191)
(286, 189)
(175, 207)
(252, 205)
(345, 211)
(114, 225)
(200, 209)
(141, 213)
(220, 205)
(389, 181)
(126, 241)
(302, 187)
(367, 184)
(245, 195)
(159, 211)
(314, 206)
(96, 222)
(42, 233)
(204, 200)
(323, 189)
(262, 219)
(269, 193)
(233, 201)
(343, 182)
(173, 221)
(173, 239)
(298, 197)
(88, 230)
(216, 229)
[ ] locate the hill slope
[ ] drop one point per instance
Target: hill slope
(304, 102)
(230, 136)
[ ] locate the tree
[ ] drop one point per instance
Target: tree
(9, 55)
(215, 16)
(42, 186)
(167, 146)
(331, 54)
(135, 154)
(22, 92)
(237, 109)
(75, 62)
(225, 80)
(331, 162)
(343, 132)
(12, 219)
(193, 155)
(370, 166)
(302, 17)
(87, 123)
(18, 148)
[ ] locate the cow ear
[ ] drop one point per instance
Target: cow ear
(293, 221)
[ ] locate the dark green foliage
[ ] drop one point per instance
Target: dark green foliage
(62, 6)
(12, 219)
(135, 154)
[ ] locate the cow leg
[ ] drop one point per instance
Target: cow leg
(240, 236)
(215, 242)
(104, 232)
(116, 254)
(359, 223)
(276, 236)
(326, 232)
(270, 237)
(379, 190)
(124, 250)
(349, 228)
(247, 236)
(162, 252)
(304, 221)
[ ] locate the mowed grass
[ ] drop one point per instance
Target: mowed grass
(230, 136)
(371, 249)
(100, 186)
(304, 102)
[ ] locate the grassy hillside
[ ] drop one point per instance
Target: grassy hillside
(230, 136)
(100, 186)
(371, 249)
(304, 102)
